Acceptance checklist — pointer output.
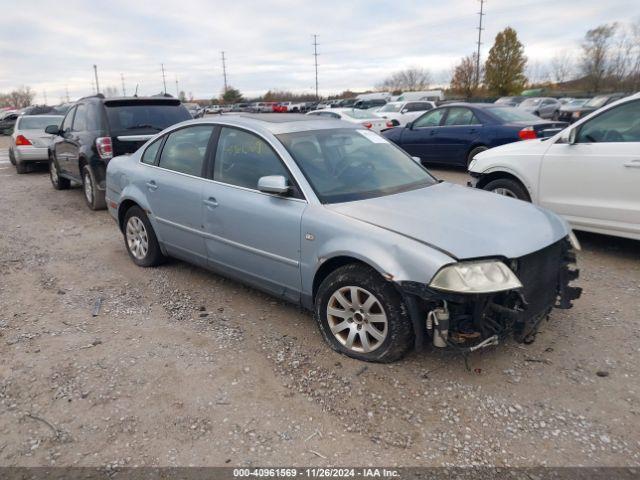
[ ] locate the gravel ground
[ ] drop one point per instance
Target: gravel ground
(183, 367)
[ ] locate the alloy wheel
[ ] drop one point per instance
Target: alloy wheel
(53, 171)
(356, 319)
(137, 238)
(504, 191)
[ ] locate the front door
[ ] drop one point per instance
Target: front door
(249, 234)
(62, 146)
(421, 140)
(461, 129)
(594, 182)
(174, 191)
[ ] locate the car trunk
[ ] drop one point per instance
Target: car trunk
(542, 129)
(37, 137)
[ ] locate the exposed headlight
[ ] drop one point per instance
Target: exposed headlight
(574, 241)
(475, 277)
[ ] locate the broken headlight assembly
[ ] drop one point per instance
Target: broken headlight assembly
(485, 276)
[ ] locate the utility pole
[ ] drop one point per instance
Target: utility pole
(164, 80)
(481, 14)
(315, 57)
(177, 88)
(95, 72)
(124, 92)
(66, 89)
(224, 71)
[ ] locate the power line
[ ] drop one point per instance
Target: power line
(224, 71)
(164, 80)
(315, 57)
(124, 91)
(480, 29)
(95, 72)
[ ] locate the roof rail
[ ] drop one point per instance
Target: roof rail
(97, 95)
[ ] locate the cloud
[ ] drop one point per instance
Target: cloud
(268, 43)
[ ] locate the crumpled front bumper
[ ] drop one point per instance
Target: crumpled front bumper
(545, 276)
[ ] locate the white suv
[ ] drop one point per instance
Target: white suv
(589, 172)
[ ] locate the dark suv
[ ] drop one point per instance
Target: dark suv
(95, 129)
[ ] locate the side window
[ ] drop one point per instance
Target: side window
(619, 124)
(80, 120)
(242, 158)
(418, 106)
(150, 154)
(185, 150)
(66, 123)
(460, 116)
(431, 119)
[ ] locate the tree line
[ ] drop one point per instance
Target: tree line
(19, 98)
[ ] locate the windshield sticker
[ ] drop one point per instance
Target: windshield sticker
(373, 137)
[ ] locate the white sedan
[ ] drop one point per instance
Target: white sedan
(589, 172)
(353, 115)
(404, 112)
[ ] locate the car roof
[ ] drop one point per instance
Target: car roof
(275, 123)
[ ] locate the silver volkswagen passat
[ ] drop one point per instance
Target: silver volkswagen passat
(332, 216)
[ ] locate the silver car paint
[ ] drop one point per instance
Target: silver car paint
(278, 244)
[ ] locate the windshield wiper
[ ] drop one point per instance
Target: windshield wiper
(134, 127)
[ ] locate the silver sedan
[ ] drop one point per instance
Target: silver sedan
(330, 215)
(29, 142)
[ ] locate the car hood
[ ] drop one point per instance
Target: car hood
(462, 222)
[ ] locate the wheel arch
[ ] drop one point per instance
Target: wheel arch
(498, 174)
(332, 264)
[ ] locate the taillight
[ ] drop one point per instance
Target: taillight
(390, 124)
(527, 133)
(367, 124)
(21, 140)
(104, 147)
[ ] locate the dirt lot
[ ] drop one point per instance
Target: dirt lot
(183, 367)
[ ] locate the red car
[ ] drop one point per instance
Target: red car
(280, 107)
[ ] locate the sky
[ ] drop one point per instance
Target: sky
(52, 46)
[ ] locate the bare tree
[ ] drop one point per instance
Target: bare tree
(562, 67)
(464, 79)
(596, 52)
(21, 97)
(537, 73)
(410, 79)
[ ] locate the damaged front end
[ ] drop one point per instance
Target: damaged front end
(462, 312)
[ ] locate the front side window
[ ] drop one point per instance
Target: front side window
(66, 124)
(185, 150)
(391, 107)
(242, 158)
(417, 106)
(80, 121)
(619, 124)
(431, 119)
(460, 116)
(347, 164)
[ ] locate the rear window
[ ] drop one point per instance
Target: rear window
(148, 117)
(39, 123)
(512, 114)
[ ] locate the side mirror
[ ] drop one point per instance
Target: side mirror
(273, 184)
(52, 130)
(409, 125)
(573, 134)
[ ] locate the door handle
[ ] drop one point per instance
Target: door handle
(633, 163)
(211, 202)
(151, 185)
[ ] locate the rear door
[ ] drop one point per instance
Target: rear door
(594, 182)
(421, 139)
(174, 190)
(78, 136)
(252, 235)
(461, 129)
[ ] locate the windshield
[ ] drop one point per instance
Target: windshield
(596, 102)
(512, 114)
(577, 103)
(131, 116)
(505, 100)
(39, 122)
(359, 114)
(344, 165)
(391, 107)
(530, 102)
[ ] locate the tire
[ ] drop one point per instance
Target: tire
(508, 187)
(92, 194)
(474, 152)
(12, 157)
(57, 181)
(136, 231)
(394, 336)
(21, 167)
